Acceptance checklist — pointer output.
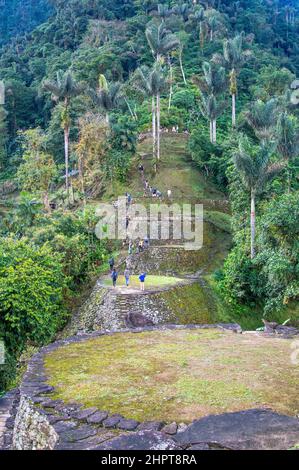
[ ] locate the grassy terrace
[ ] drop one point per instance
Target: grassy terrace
(151, 282)
(177, 375)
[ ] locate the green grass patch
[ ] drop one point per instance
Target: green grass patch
(176, 375)
(151, 281)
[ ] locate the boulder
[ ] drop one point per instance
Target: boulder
(151, 426)
(170, 428)
(141, 440)
(98, 417)
(255, 429)
(137, 320)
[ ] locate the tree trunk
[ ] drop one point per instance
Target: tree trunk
(233, 110)
(211, 132)
(252, 224)
(66, 156)
(214, 131)
(46, 201)
(181, 65)
(171, 80)
(158, 126)
(154, 127)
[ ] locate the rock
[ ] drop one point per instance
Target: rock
(255, 429)
(127, 424)
(234, 327)
(141, 440)
(89, 443)
(53, 419)
(61, 426)
(51, 403)
(98, 417)
(270, 327)
(170, 428)
(112, 421)
(83, 432)
(151, 426)
(137, 320)
(84, 414)
(199, 447)
(182, 427)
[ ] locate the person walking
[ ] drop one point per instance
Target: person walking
(111, 263)
(131, 248)
(146, 242)
(142, 281)
(140, 246)
(127, 276)
(114, 276)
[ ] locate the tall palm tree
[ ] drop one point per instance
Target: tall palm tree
(234, 57)
(262, 117)
(150, 82)
(256, 172)
(64, 89)
(108, 96)
(211, 86)
(287, 140)
(161, 43)
(160, 40)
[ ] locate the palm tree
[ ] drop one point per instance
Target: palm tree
(256, 172)
(287, 140)
(64, 89)
(234, 58)
(211, 110)
(161, 42)
(262, 117)
(211, 86)
(150, 82)
(107, 96)
(183, 10)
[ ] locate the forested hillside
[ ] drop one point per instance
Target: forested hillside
(21, 16)
(80, 89)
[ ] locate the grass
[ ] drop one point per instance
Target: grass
(176, 172)
(177, 375)
(151, 282)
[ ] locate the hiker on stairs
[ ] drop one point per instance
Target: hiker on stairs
(114, 276)
(127, 276)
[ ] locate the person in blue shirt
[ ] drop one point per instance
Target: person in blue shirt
(142, 280)
(114, 276)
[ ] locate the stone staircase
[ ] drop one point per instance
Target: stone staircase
(8, 406)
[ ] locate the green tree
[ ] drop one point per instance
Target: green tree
(234, 57)
(211, 86)
(256, 171)
(38, 168)
(150, 82)
(65, 88)
(31, 293)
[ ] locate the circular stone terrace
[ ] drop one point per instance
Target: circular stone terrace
(106, 389)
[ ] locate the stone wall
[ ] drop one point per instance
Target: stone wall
(32, 430)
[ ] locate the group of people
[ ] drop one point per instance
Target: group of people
(127, 275)
(140, 244)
